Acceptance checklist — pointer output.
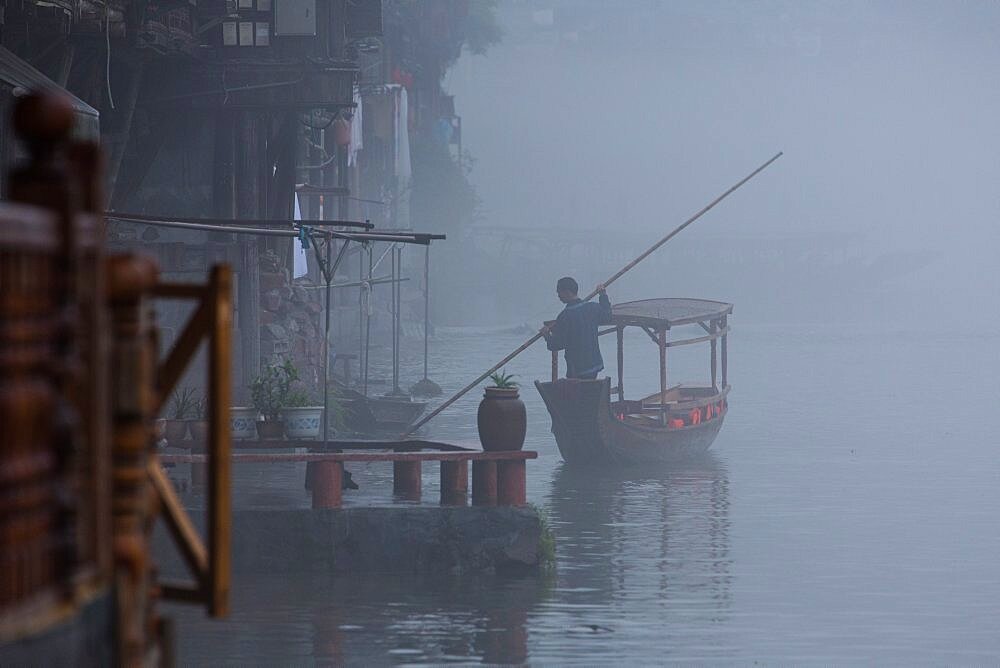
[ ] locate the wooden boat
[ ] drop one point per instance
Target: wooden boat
(367, 415)
(595, 425)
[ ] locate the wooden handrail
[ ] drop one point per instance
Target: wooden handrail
(211, 320)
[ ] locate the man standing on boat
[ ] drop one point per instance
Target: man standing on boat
(575, 330)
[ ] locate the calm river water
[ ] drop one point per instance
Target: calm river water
(848, 513)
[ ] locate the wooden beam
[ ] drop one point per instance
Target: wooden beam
(181, 528)
(715, 354)
(180, 291)
(725, 356)
(663, 372)
(171, 370)
(220, 447)
(621, 363)
(652, 335)
(699, 339)
(181, 593)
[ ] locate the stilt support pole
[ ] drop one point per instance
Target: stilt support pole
(327, 484)
(454, 483)
(484, 483)
(511, 483)
(406, 480)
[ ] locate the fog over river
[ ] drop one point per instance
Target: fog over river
(847, 512)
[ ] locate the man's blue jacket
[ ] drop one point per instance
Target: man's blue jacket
(575, 331)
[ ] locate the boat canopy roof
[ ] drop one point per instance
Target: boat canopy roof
(668, 312)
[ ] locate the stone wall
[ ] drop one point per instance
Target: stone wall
(412, 540)
(291, 321)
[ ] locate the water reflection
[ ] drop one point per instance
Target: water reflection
(368, 620)
(658, 537)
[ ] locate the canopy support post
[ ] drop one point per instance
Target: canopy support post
(725, 356)
(427, 301)
(713, 328)
(621, 362)
(662, 335)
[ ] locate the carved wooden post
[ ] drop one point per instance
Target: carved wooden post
(29, 245)
(43, 122)
(87, 163)
(134, 356)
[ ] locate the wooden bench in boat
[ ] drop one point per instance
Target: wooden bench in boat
(498, 478)
(675, 402)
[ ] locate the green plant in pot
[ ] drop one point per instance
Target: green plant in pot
(181, 409)
(502, 419)
(269, 392)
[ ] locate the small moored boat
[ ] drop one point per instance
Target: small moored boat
(595, 425)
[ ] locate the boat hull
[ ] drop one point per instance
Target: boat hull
(372, 415)
(588, 433)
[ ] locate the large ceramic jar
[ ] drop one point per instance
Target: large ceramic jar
(503, 421)
(242, 423)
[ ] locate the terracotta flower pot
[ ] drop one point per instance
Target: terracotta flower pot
(270, 429)
(175, 431)
(502, 420)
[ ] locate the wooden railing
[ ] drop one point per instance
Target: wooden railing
(211, 321)
(80, 387)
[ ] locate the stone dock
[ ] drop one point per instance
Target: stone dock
(275, 530)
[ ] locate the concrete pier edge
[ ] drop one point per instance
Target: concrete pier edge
(396, 539)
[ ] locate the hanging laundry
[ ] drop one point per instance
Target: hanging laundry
(357, 133)
(300, 265)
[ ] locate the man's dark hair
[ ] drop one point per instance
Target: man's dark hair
(567, 284)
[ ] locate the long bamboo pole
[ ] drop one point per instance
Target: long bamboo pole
(621, 272)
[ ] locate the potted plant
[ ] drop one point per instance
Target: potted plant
(269, 391)
(302, 415)
(198, 425)
(502, 419)
(182, 405)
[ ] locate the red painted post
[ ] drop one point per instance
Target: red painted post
(326, 484)
(406, 480)
(511, 482)
(484, 483)
(454, 483)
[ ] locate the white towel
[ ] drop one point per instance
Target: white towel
(357, 130)
(300, 266)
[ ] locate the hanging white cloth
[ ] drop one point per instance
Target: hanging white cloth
(357, 130)
(300, 266)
